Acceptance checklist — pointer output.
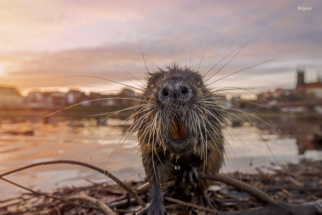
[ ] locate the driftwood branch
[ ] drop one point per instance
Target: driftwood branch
(272, 207)
(105, 172)
(240, 186)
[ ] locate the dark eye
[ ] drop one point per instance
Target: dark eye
(184, 90)
(165, 92)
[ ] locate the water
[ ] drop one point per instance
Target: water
(82, 139)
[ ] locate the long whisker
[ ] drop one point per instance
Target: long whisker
(114, 150)
(153, 146)
(133, 115)
(118, 144)
(131, 75)
(249, 114)
(236, 164)
(254, 66)
(223, 66)
(241, 141)
(212, 127)
(201, 135)
(266, 144)
(256, 132)
(117, 111)
(206, 146)
(84, 102)
(258, 96)
(228, 56)
(146, 66)
(91, 76)
(217, 131)
(204, 51)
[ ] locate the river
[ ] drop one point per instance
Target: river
(247, 147)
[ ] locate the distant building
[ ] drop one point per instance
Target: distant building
(108, 101)
(277, 93)
(300, 79)
(10, 96)
(127, 92)
(74, 96)
(314, 88)
(95, 98)
(45, 99)
(35, 99)
(126, 97)
(58, 98)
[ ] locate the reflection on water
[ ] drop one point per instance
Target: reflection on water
(23, 143)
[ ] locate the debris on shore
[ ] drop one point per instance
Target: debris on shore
(293, 183)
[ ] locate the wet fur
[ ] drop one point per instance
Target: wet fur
(203, 119)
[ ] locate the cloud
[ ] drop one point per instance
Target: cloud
(43, 40)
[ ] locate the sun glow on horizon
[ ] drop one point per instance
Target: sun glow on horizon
(3, 66)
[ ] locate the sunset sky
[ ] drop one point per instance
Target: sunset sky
(42, 40)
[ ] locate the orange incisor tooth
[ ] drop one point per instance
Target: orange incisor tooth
(182, 130)
(177, 130)
(174, 129)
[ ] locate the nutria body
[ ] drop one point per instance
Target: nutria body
(179, 128)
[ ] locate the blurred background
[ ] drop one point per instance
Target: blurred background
(56, 54)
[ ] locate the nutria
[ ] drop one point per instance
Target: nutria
(179, 128)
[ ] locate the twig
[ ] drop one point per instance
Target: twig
(143, 188)
(44, 194)
(236, 183)
(57, 209)
(122, 203)
(7, 200)
(172, 206)
(94, 201)
(105, 172)
(190, 204)
(10, 203)
(125, 211)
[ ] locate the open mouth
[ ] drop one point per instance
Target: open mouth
(177, 129)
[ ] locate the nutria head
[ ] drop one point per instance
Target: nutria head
(178, 113)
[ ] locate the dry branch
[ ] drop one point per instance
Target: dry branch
(189, 204)
(45, 194)
(105, 172)
(240, 186)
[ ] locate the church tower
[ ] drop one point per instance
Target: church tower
(300, 78)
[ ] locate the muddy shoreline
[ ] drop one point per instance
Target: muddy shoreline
(292, 183)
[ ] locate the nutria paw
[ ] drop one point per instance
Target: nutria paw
(153, 209)
(190, 175)
(200, 198)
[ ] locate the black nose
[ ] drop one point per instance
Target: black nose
(180, 92)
